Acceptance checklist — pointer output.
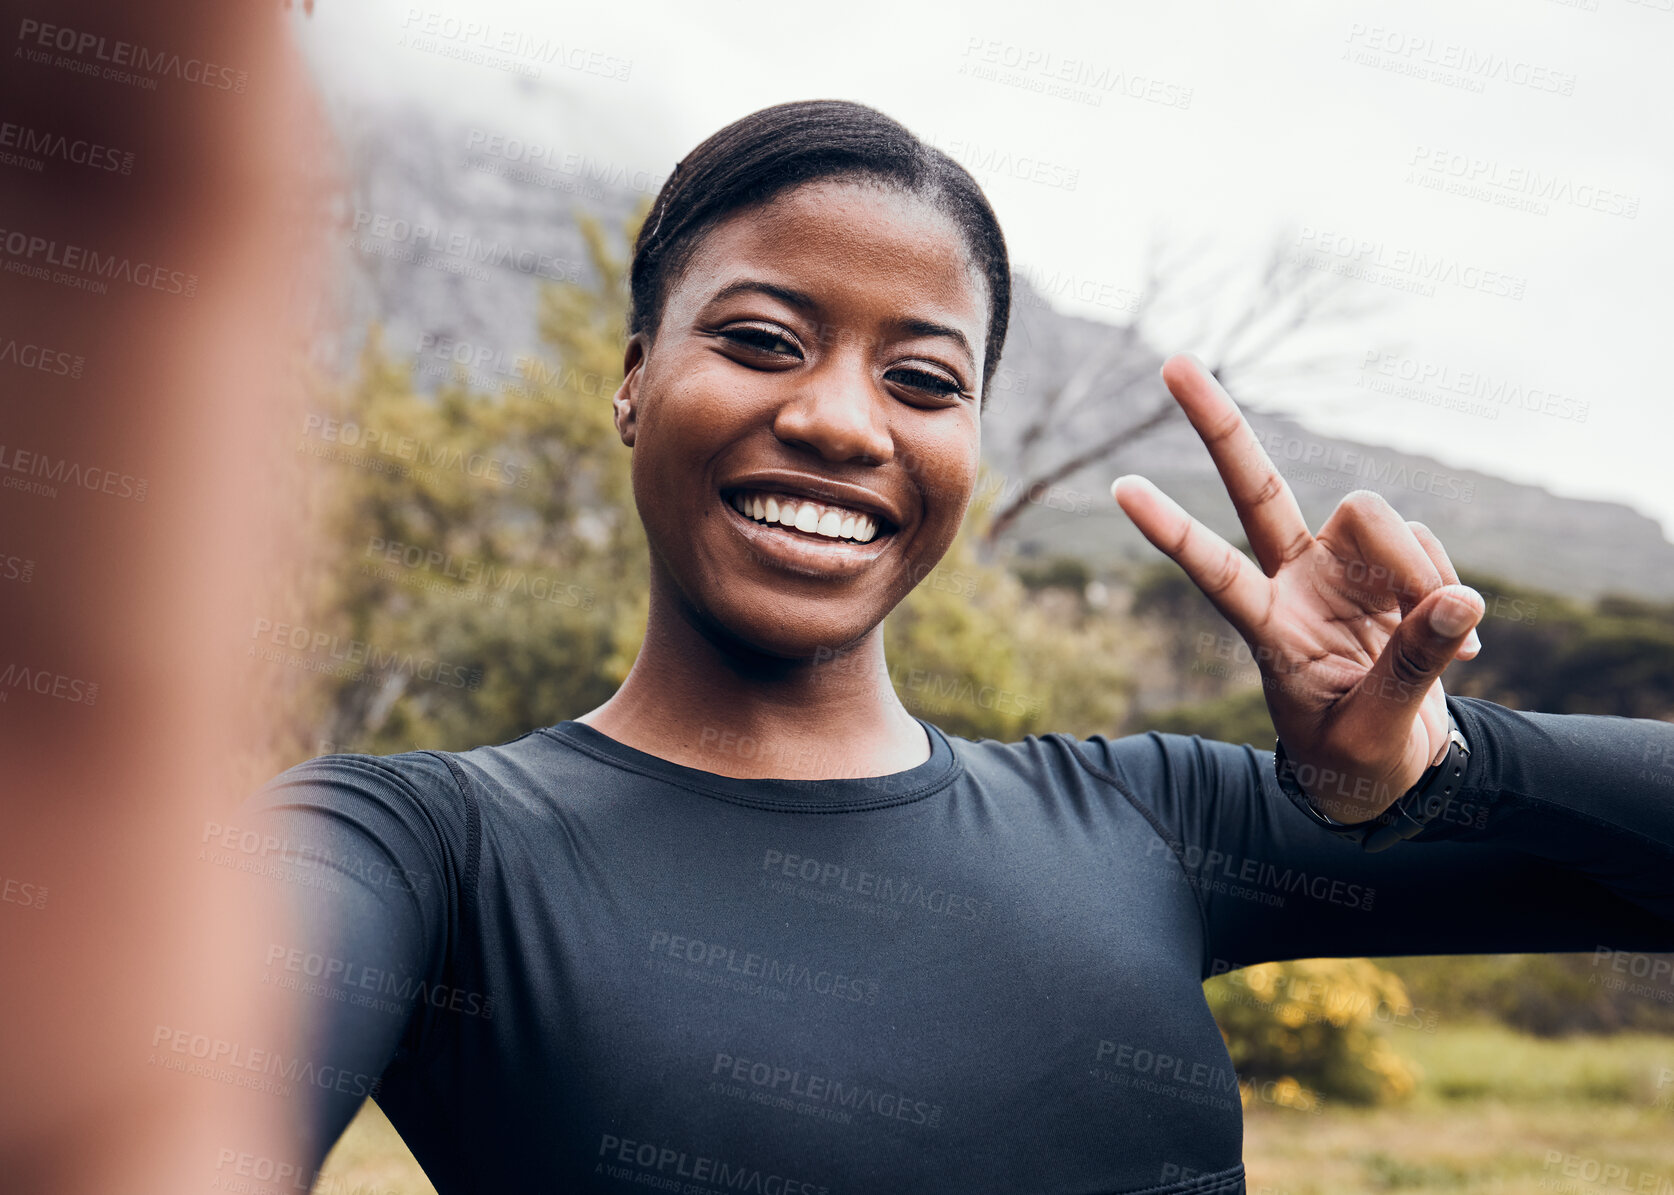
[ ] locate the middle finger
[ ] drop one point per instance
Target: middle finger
(1266, 507)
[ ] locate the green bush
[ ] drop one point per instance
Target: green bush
(1063, 572)
(1316, 1024)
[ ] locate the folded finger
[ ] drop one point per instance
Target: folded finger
(1376, 559)
(1411, 663)
(1444, 565)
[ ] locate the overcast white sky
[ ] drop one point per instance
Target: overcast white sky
(1303, 120)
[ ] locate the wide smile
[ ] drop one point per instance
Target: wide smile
(808, 536)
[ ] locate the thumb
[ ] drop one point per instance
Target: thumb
(1419, 651)
(1453, 614)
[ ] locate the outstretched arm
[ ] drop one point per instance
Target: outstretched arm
(1562, 838)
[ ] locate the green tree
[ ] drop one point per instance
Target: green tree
(972, 650)
(1543, 651)
(488, 562)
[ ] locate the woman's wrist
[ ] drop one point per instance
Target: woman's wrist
(1357, 814)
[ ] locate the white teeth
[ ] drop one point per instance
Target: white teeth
(814, 518)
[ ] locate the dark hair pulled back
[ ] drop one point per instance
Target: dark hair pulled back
(756, 158)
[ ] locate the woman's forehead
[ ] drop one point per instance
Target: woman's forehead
(846, 211)
(844, 236)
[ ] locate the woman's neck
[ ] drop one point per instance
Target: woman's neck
(720, 708)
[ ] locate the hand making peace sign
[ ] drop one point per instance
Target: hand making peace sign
(1351, 628)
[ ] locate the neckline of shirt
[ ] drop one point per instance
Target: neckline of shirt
(851, 794)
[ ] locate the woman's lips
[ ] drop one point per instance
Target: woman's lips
(824, 519)
(806, 553)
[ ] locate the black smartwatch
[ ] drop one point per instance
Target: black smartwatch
(1416, 808)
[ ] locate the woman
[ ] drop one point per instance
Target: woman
(619, 952)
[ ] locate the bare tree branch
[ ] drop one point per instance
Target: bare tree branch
(1037, 487)
(1284, 298)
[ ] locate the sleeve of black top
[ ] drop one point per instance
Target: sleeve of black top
(1561, 839)
(368, 846)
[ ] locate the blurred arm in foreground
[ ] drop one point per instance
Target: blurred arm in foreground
(148, 278)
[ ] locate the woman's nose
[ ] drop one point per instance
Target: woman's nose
(838, 413)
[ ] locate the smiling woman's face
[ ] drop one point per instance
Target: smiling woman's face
(805, 422)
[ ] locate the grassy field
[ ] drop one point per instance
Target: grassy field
(1495, 1111)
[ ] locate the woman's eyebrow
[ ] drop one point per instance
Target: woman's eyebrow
(924, 327)
(794, 298)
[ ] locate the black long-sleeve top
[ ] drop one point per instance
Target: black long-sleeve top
(566, 965)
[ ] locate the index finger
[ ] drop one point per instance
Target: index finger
(1266, 507)
(1221, 571)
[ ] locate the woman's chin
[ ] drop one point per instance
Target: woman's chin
(791, 635)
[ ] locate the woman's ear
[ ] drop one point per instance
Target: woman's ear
(626, 399)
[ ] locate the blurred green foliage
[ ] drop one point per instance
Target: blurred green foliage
(1065, 572)
(1317, 1025)
(1541, 651)
(1549, 995)
(507, 547)
(972, 651)
(1236, 718)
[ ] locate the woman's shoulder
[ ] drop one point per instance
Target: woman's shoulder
(1141, 762)
(426, 807)
(342, 779)
(538, 773)
(425, 775)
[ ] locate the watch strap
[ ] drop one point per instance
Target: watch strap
(1411, 812)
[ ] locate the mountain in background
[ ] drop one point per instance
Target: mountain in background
(1520, 533)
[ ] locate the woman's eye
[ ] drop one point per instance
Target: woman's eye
(932, 383)
(763, 340)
